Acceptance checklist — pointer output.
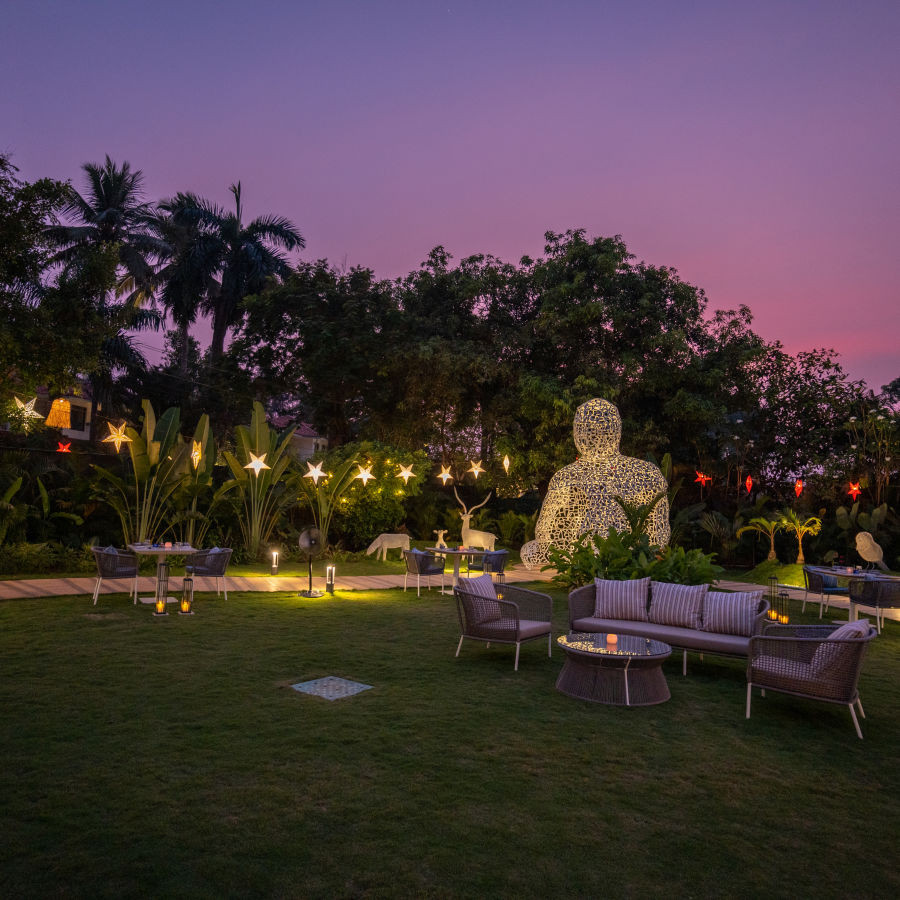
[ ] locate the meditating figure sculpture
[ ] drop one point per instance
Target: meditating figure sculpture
(581, 495)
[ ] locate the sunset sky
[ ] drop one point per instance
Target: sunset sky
(753, 147)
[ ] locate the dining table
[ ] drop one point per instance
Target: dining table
(458, 554)
(162, 552)
(851, 573)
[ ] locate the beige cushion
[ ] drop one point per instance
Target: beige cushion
(485, 607)
(622, 599)
(858, 629)
(677, 604)
(731, 613)
(829, 656)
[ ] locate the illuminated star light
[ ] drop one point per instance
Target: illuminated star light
(798, 486)
(703, 479)
(406, 473)
(476, 469)
(854, 491)
(63, 448)
(315, 472)
(365, 473)
(196, 453)
(28, 410)
(445, 475)
(257, 463)
(506, 464)
(749, 483)
(117, 436)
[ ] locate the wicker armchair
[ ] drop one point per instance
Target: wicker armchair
(112, 563)
(821, 583)
(521, 615)
(422, 565)
(210, 563)
(802, 661)
(875, 593)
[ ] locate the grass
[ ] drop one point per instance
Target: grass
(170, 757)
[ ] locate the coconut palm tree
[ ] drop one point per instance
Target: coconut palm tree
(790, 521)
(239, 257)
(768, 527)
(112, 211)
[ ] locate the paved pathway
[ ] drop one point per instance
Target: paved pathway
(59, 587)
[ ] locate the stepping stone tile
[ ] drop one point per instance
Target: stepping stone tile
(331, 687)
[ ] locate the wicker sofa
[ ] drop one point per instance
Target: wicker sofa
(687, 617)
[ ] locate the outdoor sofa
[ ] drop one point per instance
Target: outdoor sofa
(689, 617)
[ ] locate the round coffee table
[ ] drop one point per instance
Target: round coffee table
(624, 672)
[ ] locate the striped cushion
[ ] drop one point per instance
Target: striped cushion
(731, 613)
(483, 599)
(677, 604)
(622, 599)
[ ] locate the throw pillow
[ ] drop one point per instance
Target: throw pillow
(858, 629)
(829, 654)
(482, 597)
(731, 613)
(622, 599)
(680, 605)
(829, 581)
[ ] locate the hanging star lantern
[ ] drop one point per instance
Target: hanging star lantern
(315, 472)
(63, 448)
(364, 474)
(854, 491)
(117, 435)
(798, 486)
(28, 411)
(703, 479)
(445, 475)
(257, 463)
(406, 473)
(196, 453)
(506, 464)
(476, 469)
(749, 483)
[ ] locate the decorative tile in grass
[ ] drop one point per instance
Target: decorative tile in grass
(331, 688)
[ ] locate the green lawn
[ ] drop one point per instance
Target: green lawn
(170, 757)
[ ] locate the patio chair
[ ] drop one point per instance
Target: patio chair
(112, 563)
(514, 616)
(492, 561)
(815, 662)
(876, 593)
(423, 565)
(210, 563)
(820, 583)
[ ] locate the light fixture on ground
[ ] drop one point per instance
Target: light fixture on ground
(329, 579)
(186, 604)
(274, 562)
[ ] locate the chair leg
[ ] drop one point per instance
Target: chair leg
(405, 576)
(550, 644)
(684, 664)
(224, 587)
(855, 722)
(460, 644)
(803, 607)
(97, 590)
(418, 585)
(516, 666)
(859, 704)
(135, 590)
(749, 693)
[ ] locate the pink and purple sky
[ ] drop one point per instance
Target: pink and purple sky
(753, 147)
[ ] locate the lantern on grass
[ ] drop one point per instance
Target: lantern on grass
(772, 611)
(60, 414)
(329, 579)
(274, 562)
(782, 607)
(185, 606)
(162, 589)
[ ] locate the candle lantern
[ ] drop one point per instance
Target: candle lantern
(187, 597)
(772, 612)
(274, 562)
(783, 607)
(162, 589)
(329, 579)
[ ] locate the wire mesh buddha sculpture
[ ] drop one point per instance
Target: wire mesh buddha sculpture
(581, 496)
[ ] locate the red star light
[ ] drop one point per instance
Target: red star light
(63, 448)
(703, 479)
(749, 483)
(798, 486)
(854, 491)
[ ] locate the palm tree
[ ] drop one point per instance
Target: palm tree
(112, 211)
(241, 257)
(790, 521)
(768, 527)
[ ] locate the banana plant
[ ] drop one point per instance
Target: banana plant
(196, 490)
(259, 474)
(159, 465)
(323, 499)
(11, 514)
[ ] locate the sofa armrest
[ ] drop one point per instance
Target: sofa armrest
(582, 602)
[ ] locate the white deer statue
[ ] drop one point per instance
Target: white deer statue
(484, 540)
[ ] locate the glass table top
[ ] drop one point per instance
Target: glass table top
(621, 645)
